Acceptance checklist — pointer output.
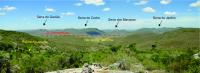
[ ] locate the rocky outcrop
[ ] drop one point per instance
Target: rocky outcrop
(87, 69)
(93, 68)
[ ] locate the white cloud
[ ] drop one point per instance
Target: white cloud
(94, 2)
(141, 2)
(49, 9)
(0, 9)
(149, 10)
(106, 9)
(165, 2)
(195, 4)
(167, 13)
(8, 8)
(78, 4)
(2, 13)
(68, 14)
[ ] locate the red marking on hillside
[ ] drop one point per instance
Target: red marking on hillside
(57, 33)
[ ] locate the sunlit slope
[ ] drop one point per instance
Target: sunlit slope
(179, 38)
(20, 40)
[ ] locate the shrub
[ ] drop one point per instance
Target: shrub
(6, 46)
(75, 60)
(115, 48)
(132, 46)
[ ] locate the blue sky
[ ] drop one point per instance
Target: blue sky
(22, 14)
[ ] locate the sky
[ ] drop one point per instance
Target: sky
(22, 14)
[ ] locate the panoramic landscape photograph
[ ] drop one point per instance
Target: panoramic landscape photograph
(99, 36)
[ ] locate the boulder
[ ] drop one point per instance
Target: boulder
(87, 69)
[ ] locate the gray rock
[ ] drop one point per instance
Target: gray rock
(122, 65)
(86, 69)
(96, 66)
(197, 56)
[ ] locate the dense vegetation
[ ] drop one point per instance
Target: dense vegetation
(61, 52)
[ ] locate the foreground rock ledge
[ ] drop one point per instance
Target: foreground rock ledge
(79, 70)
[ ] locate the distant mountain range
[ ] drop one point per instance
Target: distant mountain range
(98, 31)
(144, 38)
